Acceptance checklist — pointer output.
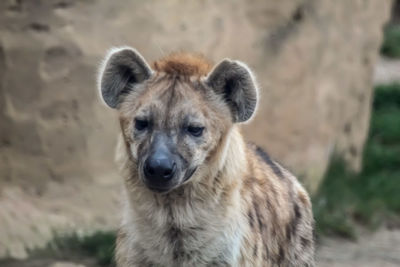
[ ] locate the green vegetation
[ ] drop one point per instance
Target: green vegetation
(371, 197)
(92, 250)
(99, 245)
(391, 43)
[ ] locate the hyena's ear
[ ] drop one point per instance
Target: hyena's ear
(234, 81)
(123, 68)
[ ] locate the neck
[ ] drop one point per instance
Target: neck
(223, 172)
(235, 159)
(229, 160)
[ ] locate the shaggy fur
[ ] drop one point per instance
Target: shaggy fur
(185, 64)
(239, 207)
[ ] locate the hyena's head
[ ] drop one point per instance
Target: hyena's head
(175, 115)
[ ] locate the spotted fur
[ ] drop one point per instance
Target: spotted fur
(238, 207)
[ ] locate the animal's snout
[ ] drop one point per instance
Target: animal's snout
(159, 168)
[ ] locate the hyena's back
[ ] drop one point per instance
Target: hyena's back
(279, 215)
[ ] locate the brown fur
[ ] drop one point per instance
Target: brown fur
(240, 208)
(185, 64)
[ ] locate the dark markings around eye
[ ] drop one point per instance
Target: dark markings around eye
(141, 124)
(195, 130)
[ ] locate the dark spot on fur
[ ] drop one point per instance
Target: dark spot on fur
(281, 256)
(219, 262)
(146, 262)
(196, 228)
(297, 213)
(275, 168)
(262, 227)
(258, 215)
(217, 181)
(251, 219)
(314, 233)
(265, 255)
(255, 250)
(174, 235)
(273, 217)
(291, 228)
(305, 243)
(248, 184)
(288, 232)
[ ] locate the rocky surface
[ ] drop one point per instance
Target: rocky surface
(313, 59)
(371, 250)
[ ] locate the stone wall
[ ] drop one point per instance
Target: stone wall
(313, 59)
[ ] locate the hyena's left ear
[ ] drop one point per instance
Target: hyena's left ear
(123, 68)
(234, 81)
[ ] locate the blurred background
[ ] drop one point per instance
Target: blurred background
(329, 111)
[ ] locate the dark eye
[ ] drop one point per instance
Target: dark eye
(141, 125)
(195, 130)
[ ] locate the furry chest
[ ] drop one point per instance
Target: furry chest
(199, 244)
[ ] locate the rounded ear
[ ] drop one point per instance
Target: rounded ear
(234, 81)
(122, 69)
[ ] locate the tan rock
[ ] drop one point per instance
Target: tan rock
(313, 60)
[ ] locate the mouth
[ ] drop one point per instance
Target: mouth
(159, 189)
(189, 174)
(166, 188)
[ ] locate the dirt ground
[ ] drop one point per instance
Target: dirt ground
(381, 248)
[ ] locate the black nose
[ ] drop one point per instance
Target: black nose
(159, 168)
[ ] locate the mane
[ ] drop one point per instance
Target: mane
(186, 64)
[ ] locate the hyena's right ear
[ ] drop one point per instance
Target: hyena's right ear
(123, 68)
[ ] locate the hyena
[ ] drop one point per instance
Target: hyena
(195, 193)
